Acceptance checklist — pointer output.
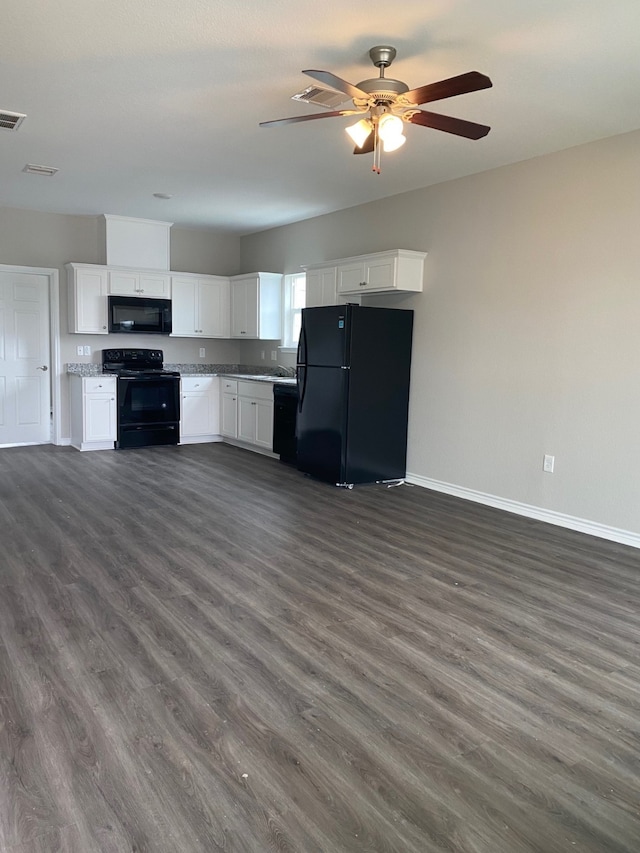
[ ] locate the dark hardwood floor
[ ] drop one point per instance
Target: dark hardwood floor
(201, 650)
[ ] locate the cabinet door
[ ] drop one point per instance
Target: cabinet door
(195, 413)
(351, 277)
(213, 308)
(151, 284)
(244, 308)
(247, 419)
(229, 415)
(100, 417)
(380, 274)
(321, 287)
(88, 310)
(264, 423)
(124, 283)
(184, 306)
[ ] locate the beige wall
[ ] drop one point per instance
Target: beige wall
(28, 238)
(527, 336)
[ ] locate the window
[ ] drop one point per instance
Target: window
(294, 301)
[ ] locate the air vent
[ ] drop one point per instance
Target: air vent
(11, 121)
(46, 171)
(320, 97)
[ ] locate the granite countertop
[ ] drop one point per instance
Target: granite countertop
(232, 371)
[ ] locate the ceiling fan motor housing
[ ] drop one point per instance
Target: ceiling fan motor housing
(382, 55)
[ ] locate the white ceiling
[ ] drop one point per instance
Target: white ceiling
(131, 98)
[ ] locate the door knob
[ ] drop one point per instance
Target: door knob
(44, 368)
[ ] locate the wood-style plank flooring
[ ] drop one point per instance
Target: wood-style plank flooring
(201, 650)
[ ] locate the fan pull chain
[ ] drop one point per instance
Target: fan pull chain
(377, 151)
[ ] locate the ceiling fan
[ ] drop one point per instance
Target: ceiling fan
(386, 104)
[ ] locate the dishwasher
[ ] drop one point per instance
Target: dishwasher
(285, 406)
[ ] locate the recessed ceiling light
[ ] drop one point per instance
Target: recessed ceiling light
(162, 195)
(45, 171)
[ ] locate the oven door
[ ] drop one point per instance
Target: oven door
(148, 411)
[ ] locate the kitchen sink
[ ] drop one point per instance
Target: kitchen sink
(263, 377)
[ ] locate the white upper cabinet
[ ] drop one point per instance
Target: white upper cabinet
(382, 272)
(200, 306)
(256, 300)
(321, 287)
(135, 283)
(88, 310)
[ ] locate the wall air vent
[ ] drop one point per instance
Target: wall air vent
(320, 97)
(11, 121)
(46, 171)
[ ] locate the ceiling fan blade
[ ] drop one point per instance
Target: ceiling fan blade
(460, 85)
(337, 83)
(295, 119)
(458, 126)
(368, 145)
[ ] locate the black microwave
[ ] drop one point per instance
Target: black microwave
(139, 315)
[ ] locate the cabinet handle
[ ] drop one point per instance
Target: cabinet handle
(363, 284)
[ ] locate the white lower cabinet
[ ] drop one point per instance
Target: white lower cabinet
(199, 409)
(247, 412)
(255, 413)
(94, 401)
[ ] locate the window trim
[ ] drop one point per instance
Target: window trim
(289, 345)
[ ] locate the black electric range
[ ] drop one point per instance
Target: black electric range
(148, 397)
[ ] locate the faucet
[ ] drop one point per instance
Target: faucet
(286, 371)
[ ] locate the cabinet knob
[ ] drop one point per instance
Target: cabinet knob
(363, 284)
(104, 327)
(99, 386)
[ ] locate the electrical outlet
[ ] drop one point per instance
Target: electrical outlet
(548, 463)
(274, 355)
(262, 354)
(202, 352)
(87, 349)
(79, 350)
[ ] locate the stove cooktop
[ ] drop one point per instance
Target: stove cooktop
(135, 363)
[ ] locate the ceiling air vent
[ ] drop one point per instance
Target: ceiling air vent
(320, 97)
(11, 121)
(47, 171)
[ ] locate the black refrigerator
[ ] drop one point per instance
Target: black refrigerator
(353, 393)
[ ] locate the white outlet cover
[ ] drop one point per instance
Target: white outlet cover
(202, 352)
(87, 349)
(79, 350)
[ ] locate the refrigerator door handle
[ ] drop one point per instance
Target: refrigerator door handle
(301, 390)
(303, 333)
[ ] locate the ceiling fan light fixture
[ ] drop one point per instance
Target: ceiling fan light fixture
(360, 131)
(394, 143)
(390, 128)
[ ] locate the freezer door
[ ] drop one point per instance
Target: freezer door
(324, 336)
(321, 422)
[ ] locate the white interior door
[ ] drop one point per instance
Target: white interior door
(25, 384)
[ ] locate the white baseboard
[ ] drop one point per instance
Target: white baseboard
(592, 528)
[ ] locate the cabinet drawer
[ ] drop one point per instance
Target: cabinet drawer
(197, 383)
(229, 386)
(99, 384)
(257, 390)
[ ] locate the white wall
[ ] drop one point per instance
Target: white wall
(527, 337)
(28, 238)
